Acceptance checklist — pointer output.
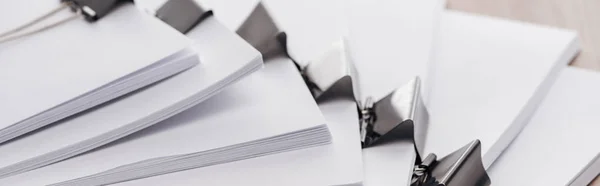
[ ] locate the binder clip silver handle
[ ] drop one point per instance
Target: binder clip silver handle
(401, 112)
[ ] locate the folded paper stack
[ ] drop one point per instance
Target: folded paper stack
(141, 108)
(284, 92)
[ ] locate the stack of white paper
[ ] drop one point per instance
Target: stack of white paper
(339, 163)
(558, 145)
(61, 71)
(268, 112)
(468, 46)
(482, 79)
(489, 77)
(215, 45)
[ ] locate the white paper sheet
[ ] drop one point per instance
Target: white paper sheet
(44, 70)
(330, 165)
(472, 39)
(312, 26)
(391, 42)
(144, 107)
(337, 164)
(389, 164)
(489, 77)
(290, 17)
(272, 97)
(561, 139)
(403, 38)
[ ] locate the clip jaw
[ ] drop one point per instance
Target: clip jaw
(260, 30)
(93, 10)
(332, 76)
(461, 168)
(401, 112)
(183, 15)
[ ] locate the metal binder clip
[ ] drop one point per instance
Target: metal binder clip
(461, 168)
(183, 15)
(93, 10)
(398, 111)
(401, 112)
(260, 30)
(333, 76)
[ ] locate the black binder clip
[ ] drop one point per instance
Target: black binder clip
(93, 10)
(183, 15)
(462, 167)
(401, 112)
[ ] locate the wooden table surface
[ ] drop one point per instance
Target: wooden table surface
(580, 15)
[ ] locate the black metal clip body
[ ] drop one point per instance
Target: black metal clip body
(93, 10)
(183, 15)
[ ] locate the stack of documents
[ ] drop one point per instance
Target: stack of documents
(268, 112)
(340, 162)
(143, 112)
(558, 145)
(465, 53)
(59, 72)
(487, 83)
(141, 109)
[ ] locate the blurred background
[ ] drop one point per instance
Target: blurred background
(580, 15)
